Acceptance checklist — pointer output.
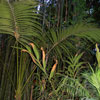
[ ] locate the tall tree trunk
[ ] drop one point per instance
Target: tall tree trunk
(59, 10)
(43, 12)
(66, 12)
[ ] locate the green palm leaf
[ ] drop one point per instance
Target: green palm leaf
(65, 41)
(19, 19)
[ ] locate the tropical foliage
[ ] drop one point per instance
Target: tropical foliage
(46, 59)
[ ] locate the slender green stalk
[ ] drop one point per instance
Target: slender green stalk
(17, 65)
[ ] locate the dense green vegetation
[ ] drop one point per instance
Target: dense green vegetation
(49, 50)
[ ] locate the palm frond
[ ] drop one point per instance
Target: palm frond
(19, 19)
(66, 39)
(71, 87)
